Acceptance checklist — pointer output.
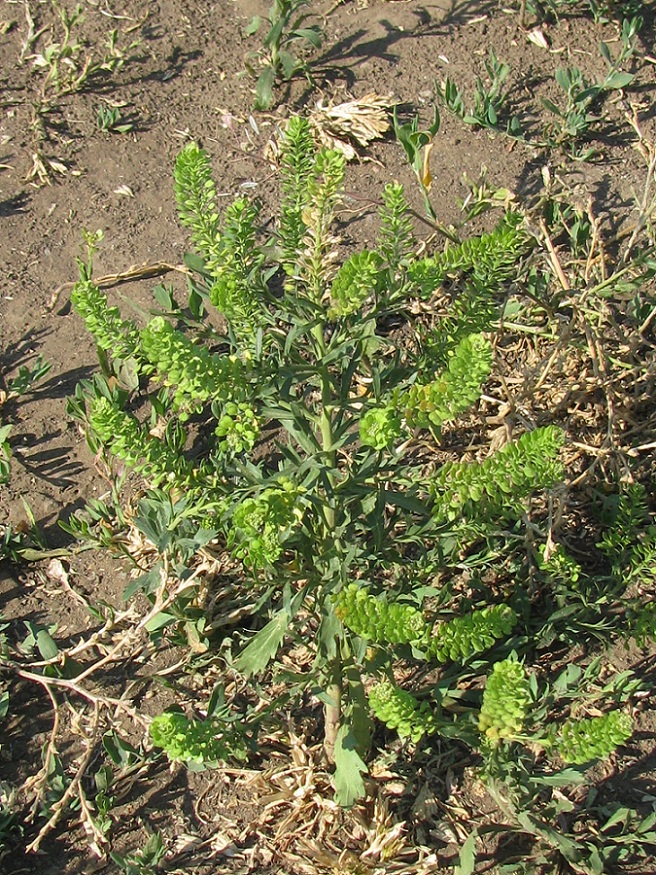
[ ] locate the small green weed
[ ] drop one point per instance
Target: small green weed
(417, 144)
(599, 10)
(19, 385)
(489, 99)
(144, 861)
(108, 118)
(68, 63)
(274, 61)
(13, 542)
(65, 63)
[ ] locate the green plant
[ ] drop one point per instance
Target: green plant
(575, 118)
(341, 527)
(399, 710)
(65, 63)
(108, 118)
(197, 743)
(489, 99)
(584, 740)
(275, 62)
(505, 701)
(5, 453)
(68, 63)
(144, 861)
(17, 386)
(601, 10)
(417, 144)
(630, 541)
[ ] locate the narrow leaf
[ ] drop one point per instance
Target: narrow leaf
(467, 856)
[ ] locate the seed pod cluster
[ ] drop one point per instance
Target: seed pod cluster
(399, 710)
(502, 480)
(462, 637)
(110, 332)
(454, 390)
(193, 741)
(377, 619)
(505, 700)
(197, 375)
(593, 737)
(380, 427)
(357, 280)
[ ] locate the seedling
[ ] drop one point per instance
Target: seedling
(576, 119)
(69, 64)
(108, 118)
(600, 10)
(143, 861)
(17, 386)
(417, 144)
(489, 99)
(274, 62)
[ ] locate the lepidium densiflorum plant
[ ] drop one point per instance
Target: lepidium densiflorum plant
(297, 437)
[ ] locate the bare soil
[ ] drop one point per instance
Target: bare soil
(185, 79)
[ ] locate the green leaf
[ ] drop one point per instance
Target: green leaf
(406, 502)
(127, 373)
(551, 106)
(194, 262)
(569, 848)
(562, 77)
(263, 647)
(46, 644)
(164, 297)
(312, 35)
(146, 583)
(564, 778)
(618, 80)
(264, 88)
(121, 752)
(159, 621)
(288, 64)
(273, 37)
(467, 856)
(254, 25)
(349, 768)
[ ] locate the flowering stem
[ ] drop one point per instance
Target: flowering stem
(332, 709)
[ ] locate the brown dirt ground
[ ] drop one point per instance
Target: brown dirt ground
(184, 79)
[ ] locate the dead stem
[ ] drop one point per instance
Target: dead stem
(95, 698)
(162, 601)
(132, 274)
(553, 257)
(96, 835)
(60, 806)
(647, 203)
(32, 34)
(40, 779)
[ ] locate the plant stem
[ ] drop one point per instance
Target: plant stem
(333, 711)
